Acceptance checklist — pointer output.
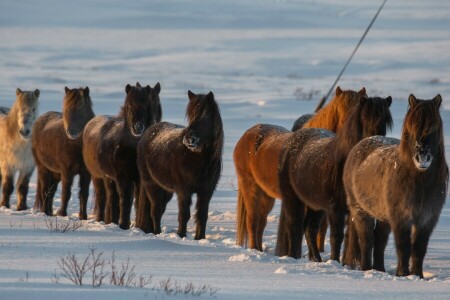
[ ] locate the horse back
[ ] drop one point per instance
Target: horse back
(4, 110)
(257, 155)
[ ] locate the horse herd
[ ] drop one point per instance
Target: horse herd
(334, 167)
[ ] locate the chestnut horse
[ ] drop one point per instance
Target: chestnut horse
(256, 160)
(184, 160)
(16, 127)
(400, 184)
(110, 149)
(57, 150)
(311, 166)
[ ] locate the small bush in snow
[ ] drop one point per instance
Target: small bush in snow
(62, 226)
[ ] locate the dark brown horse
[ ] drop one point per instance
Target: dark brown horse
(310, 174)
(184, 160)
(402, 184)
(256, 161)
(57, 150)
(110, 149)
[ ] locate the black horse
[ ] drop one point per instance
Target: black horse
(184, 160)
(109, 151)
(400, 184)
(310, 175)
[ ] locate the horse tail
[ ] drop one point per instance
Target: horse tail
(282, 247)
(142, 207)
(241, 220)
(352, 252)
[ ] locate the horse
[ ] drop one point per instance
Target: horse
(181, 160)
(57, 150)
(256, 161)
(402, 184)
(16, 128)
(310, 175)
(110, 149)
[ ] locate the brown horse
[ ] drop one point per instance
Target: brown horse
(57, 150)
(256, 160)
(311, 166)
(110, 150)
(402, 184)
(184, 160)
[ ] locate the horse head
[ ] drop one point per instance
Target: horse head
(142, 107)
(77, 111)
(27, 111)
(422, 136)
(205, 123)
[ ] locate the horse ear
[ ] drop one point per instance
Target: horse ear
(338, 91)
(66, 89)
(438, 100)
(18, 92)
(128, 88)
(37, 92)
(157, 88)
(362, 92)
(389, 100)
(86, 91)
(138, 84)
(210, 96)
(412, 100)
(148, 89)
(191, 95)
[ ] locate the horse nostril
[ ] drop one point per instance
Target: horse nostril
(139, 127)
(428, 157)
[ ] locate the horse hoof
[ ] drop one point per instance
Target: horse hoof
(4, 205)
(21, 207)
(62, 213)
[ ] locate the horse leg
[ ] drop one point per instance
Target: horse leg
(22, 190)
(420, 239)
(112, 202)
(7, 189)
(184, 212)
(100, 198)
(352, 252)
(201, 214)
(158, 202)
(312, 222)
(125, 190)
(66, 183)
(402, 235)
(364, 225)
(49, 187)
(85, 180)
(382, 230)
(322, 233)
(266, 205)
(337, 224)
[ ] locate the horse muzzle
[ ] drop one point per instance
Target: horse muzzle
(25, 133)
(423, 160)
(191, 143)
(138, 129)
(72, 136)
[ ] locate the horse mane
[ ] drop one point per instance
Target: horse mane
(422, 119)
(197, 109)
(71, 97)
(23, 99)
(333, 115)
(369, 114)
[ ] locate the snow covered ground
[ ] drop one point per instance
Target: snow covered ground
(267, 61)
